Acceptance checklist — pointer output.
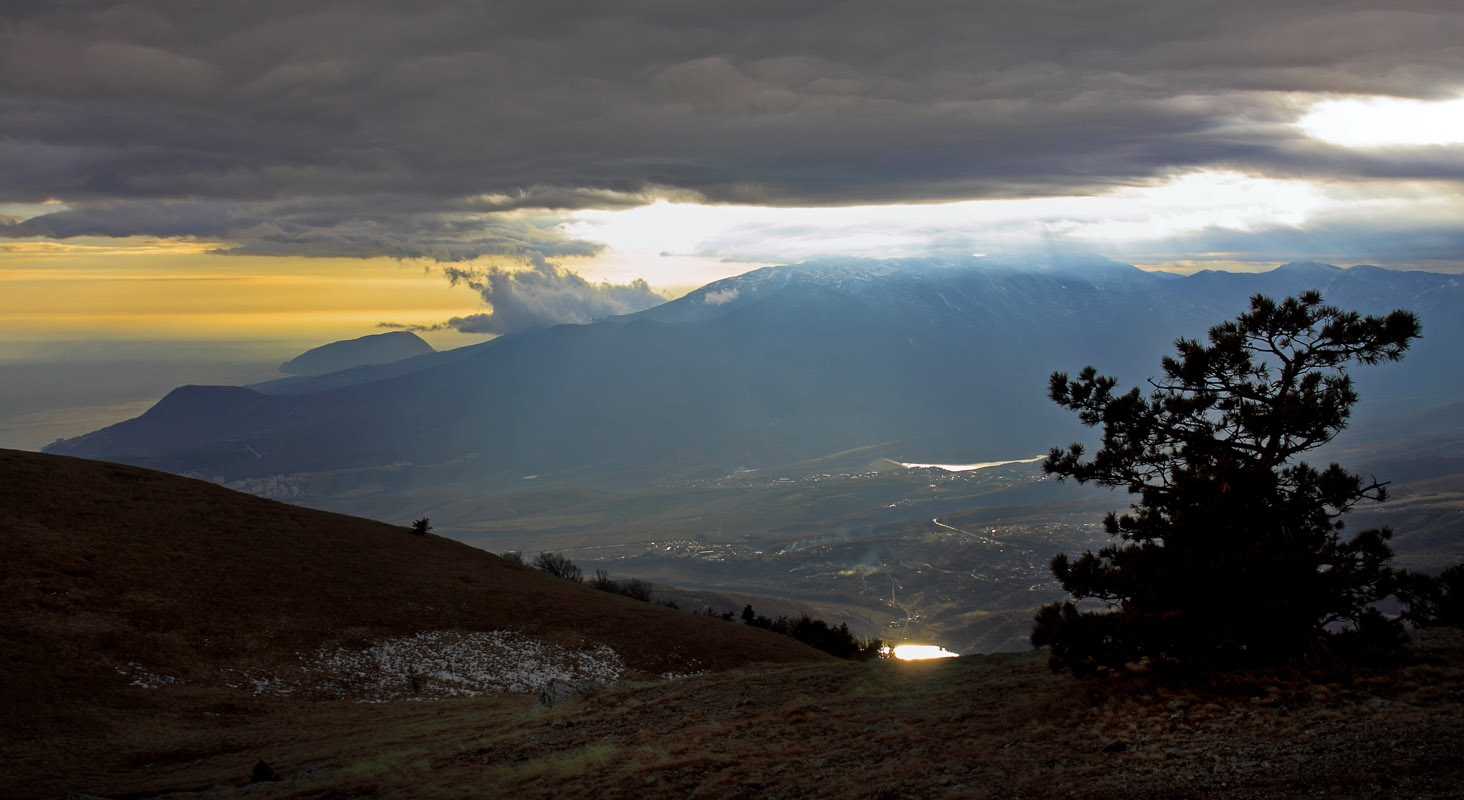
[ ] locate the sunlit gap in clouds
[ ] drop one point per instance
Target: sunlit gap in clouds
(1386, 122)
(715, 234)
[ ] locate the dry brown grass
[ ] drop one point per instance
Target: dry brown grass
(996, 726)
(983, 726)
(109, 571)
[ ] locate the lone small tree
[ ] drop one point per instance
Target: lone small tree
(421, 526)
(1233, 551)
(559, 565)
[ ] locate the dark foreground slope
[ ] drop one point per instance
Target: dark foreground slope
(125, 589)
(975, 727)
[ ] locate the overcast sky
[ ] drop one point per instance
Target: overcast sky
(660, 138)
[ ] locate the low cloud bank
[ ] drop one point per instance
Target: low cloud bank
(442, 230)
(543, 295)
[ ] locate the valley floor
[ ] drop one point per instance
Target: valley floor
(978, 726)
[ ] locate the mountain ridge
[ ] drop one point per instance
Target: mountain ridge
(784, 364)
(373, 349)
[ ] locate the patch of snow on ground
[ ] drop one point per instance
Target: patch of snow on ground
(144, 679)
(452, 664)
(677, 676)
(257, 681)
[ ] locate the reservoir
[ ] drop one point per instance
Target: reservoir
(969, 467)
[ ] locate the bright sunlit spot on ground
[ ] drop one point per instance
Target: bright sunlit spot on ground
(921, 652)
(1384, 122)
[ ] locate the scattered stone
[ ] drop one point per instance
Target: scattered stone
(263, 773)
(558, 692)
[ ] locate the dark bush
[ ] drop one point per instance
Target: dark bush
(558, 565)
(263, 773)
(1433, 600)
(636, 589)
(602, 582)
(817, 634)
(1451, 597)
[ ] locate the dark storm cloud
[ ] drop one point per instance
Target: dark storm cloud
(392, 226)
(178, 118)
(541, 296)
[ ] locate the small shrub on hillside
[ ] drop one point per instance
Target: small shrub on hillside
(558, 565)
(602, 582)
(421, 526)
(636, 589)
(512, 555)
(1433, 600)
(1451, 597)
(817, 634)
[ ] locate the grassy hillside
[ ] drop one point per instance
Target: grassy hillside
(120, 583)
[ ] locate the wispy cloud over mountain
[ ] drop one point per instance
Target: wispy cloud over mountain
(538, 297)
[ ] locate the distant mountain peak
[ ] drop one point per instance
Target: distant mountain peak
(1308, 267)
(377, 348)
(857, 274)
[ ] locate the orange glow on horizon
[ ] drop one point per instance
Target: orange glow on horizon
(148, 288)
